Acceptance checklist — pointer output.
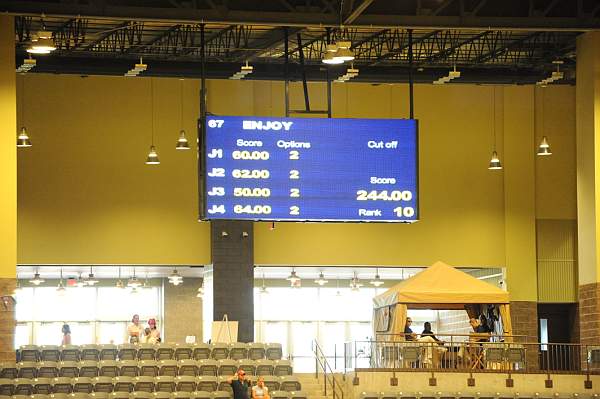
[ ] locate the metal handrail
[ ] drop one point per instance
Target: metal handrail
(322, 363)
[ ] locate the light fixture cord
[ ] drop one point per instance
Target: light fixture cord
(152, 108)
(23, 100)
(542, 112)
(494, 115)
(181, 102)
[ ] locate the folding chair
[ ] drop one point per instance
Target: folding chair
(145, 384)
(184, 351)
(273, 351)
(411, 354)
(279, 395)
(264, 367)
(493, 355)
(185, 383)
(123, 384)
(248, 365)
(23, 386)
(298, 395)
(164, 351)
(103, 384)
(282, 367)
(188, 367)
(27, 370)
(224, 384)
(164, 383)
(68, 369)
(221, 395)
(290, 383)
(127, 352)
(208, 367)
(256, 350)
(201, 351)
(146, 352)
(9, 370)
(90, 352)
(238, 351)
(207, 383)
(42, 386)
(50, 353)
(227, 367)
(168, 367)
(47, 370)
(108, 368)
(69, 353)
(108, 352)
(219, 351)
(515, 356)
(61, 385)
(272, 383)
(82, 385)
(88, 368)
(129, 368)
(29, 353)
(148, 368)
(7, 388)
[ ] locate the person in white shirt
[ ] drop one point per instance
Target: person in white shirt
(134, 330)
(260, 391)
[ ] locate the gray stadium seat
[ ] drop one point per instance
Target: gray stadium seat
(80, 395)
(146, 352)
(389, 395)
(148, 368)
(123, 384)
(219, 351)
(298, 395)
(168, 367)
(201, 351)
(129, 368)
(68, 369)
(23, 386)
(60, 395)
(6, 387)
(42, 386)
(40, 396)
(127, 352)
(69, 353)
(29, 353)
(221, 395)
(282, 367)
(208, 367)
(223, 384)
(289, 383)
(164, 383)
(182, 395)
(272, 382)
(201, 395)
(369, 395)
(47, 370)
(164, 351)
(264, 367)
(238, 351)
(108, 368)
(185, 383)
(207, 383)
(50, 353)
(8, 370)
(88, 368)
(227, 367)
(103, 384)
(18, 396)
(248, 365)
(145, 384)
(273, 351)
(256, 350)
(82, 385)
(184, 351)
(61, 385)
(141, 395)
(99, 395)
(162, 395)
(279, 395)
(108, 352)
(90, 352)
(188, 367)
(119, 395)
(27, 370)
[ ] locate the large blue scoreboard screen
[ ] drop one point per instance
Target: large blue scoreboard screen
(310, 169)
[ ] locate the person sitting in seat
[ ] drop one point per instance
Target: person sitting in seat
(409, 335)
(240, 385)
(431, 353)
(481, 332)
(260, 391)
(428, 333)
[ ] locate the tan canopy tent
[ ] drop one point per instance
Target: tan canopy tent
(440, 286)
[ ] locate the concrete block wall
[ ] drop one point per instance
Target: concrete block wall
(182, 311)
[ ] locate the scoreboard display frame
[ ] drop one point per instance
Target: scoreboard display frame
(203, 176)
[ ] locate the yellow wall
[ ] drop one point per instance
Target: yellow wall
(8, 151)
(86, 195)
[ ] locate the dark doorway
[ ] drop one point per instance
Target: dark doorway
(557, 328)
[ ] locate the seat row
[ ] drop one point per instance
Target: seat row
(152, 368)
(163, 351)
(27, 386)
(156, 395)
(475, 395)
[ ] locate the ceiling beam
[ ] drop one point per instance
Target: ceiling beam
(358, 11)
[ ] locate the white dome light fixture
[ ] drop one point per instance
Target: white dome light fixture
(321, 280)
(377, 281)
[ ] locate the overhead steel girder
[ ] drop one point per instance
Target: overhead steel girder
(534, 21)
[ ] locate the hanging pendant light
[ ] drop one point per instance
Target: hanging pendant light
(495, 160)
(23, 140)
(91, 280)
(263, 288)
(338, 293)
(60, 289)
(355, 283)
(120, 283)
(544, 147)
(175, 278)
(321, 280)
(182, 141)
(18, 287)
(377, 281)
(329, 57)
(200, 292)
(36, 280)
(344, 53)
(80, 282)
(152, 158)
(42, 43)
(293, 277)
(134, 282)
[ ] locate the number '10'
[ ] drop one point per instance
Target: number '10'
(406, 211)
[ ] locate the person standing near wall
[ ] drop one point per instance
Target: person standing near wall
(134, 330)
(66, 330)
